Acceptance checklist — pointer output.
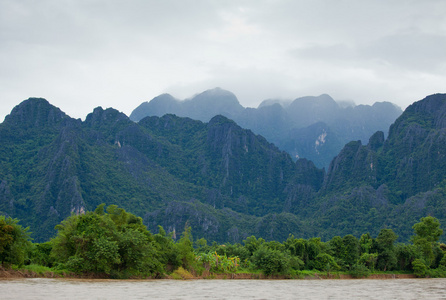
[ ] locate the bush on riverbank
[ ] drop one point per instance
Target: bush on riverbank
(113, 243)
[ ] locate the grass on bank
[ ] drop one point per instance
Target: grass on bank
(41, 270)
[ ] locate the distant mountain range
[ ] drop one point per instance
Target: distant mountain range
(315, 128)
(224, 181)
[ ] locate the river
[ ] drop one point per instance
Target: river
(44, 288)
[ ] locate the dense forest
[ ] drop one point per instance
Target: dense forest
(114, 243)
(223, 181)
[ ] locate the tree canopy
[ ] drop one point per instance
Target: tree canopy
(14, 241)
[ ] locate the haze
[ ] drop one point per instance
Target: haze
(83, 54)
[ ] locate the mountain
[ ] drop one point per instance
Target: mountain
(393, 181)
(224, 181)
(315, 128)
(201, 107)
(215, 175)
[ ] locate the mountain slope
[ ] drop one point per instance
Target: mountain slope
(391, 182)
(53, 165)
(224, 181)
(294, 127)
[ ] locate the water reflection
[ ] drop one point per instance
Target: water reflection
(43, 288)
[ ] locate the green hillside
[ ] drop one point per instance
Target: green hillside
(224, 181)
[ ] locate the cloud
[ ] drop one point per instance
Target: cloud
(411, 52)
(81, 54)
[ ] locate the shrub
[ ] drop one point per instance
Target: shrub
(359, 271)
(419, 267)
(181, 273)
(270, 261)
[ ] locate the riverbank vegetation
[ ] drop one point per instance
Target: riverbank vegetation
(112, 243)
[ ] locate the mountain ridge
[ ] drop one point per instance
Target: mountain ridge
(225, 181)
(283, 123)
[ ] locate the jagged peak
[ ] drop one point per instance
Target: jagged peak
(215, 94)
(160, 98)
(386, 104)
(271, 102)
(217, 91)
(428, 113)
(315, 100)
(101, 116)
(36, 112)
(434, 105)
(164, 97)
(376, 141)
(219, 120)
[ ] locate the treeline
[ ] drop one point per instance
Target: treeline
(114, 243)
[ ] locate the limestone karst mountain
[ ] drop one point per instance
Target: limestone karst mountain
(315, 128)
(224, 181)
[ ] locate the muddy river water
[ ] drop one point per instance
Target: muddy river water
(45, 288)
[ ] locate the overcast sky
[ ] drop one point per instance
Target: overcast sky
(82, 54)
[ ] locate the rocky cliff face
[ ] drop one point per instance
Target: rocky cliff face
(315, 128)
(35, 113)
(226, 182)
(400, 174)
(411, 160)
(53, 165)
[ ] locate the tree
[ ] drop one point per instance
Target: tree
(385, 248)
(325, 262)
(419, 267)
(366, 243)
(312, 249)
(296, 246)
(185, 250)
(351, 249)
(40, 254)
(113, 243)
(14, 241)
(427, 234)
(336, 246)
(359, 271)
(428, 228)
(202, 245)
(270, 261)
(252, 244)
(368, 260)
(166, 248)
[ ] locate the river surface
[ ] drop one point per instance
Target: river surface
(44, 288)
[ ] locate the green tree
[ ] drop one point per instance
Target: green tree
(252, 244)
(202, 245)
(359, 271)
(351, 250)
(185, 250)
(325, 262)
(297, 247)
(386, 250)
(336, 247)
(365, 243)
(232, 250)
(167, 250)
(270, 261)
(406, 254)
(427, 234)
(312, 249)
(40, 254)
(113, 243)
(14, 242)
(419, 267)
(368, 260)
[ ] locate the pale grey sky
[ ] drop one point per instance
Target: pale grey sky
(81, 54)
